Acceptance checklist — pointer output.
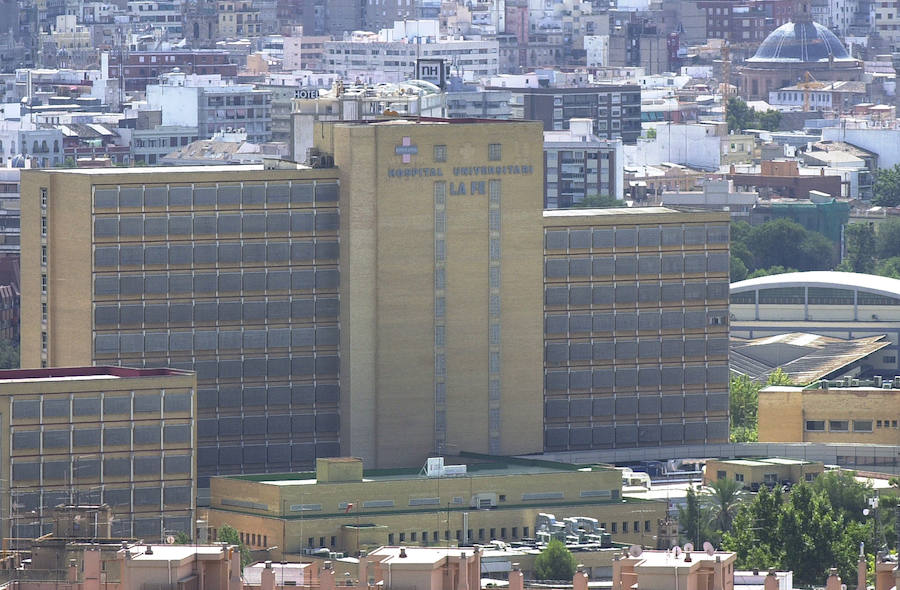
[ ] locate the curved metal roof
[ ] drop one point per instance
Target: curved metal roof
(801, 42)
(821, 278)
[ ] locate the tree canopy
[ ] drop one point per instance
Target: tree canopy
(780, 245)
(741, 117)
(744, 404)
(886, 187)
(598, 202)
(228, 534)
(9, 354)
(804, 532)
(555, 562)
(861, 248)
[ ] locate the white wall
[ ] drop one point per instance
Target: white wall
(884, 142)
(177, 103)
(597, 48)
(688, 145)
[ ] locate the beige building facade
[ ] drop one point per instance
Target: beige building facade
(98, 435)
(347, 509)
(832, 412)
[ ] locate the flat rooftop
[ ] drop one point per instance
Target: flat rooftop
(608, 211)
(83, 373)
(472, 470)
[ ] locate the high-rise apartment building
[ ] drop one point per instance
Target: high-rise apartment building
(635, 327)
(387, 305)
(92, 435)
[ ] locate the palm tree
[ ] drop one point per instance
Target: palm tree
(724, 497)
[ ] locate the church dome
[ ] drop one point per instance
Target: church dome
(801, 42)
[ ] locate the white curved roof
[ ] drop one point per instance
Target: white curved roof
(823, 278)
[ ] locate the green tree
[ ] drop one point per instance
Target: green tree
(9, 354)
(772, 270)
(744, 401)
(229, 535)
(770, 120)
(651, 133)
(887, 238)
(861, 248)
(778, 377)
(886, 187)
(739, 115)
(695, 519)
(182, 538)
(724, 497)
(847, 496)
(810, 531)
(737, 269)
(555, 562)
(598, 202)
(889, 267)
(754, 532)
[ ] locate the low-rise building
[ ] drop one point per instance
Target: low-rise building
(752, 474)
(342, 508)
(717, 195)
(846, 411)
(113, 435)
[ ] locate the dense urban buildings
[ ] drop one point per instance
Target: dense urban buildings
(99, 435)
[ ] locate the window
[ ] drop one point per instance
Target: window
(838, 425)
(636, 526)
(440, 153)
(494, 154)
(44, 319)
(43, 341)
(44, 284)
(524, 531)
(390, 538)
(810, 476)
(878, 424)
(402, 537)
(720, 475)
(43, 197)
(646, 526)
(44, 255)
(770, 478)
(862, 426)
(502, 497)
(515, 532)
(44, 225)
(624, 527)
(890, 359)
(615, 528)
(739, 477)
(815, 425)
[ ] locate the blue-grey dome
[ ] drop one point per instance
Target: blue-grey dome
(801, 42)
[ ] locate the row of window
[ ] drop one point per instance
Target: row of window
(211, 225)
(225, 194)
(844, 425)
(811, 296)
(631, 236)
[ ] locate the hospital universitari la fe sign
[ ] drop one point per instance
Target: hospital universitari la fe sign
(407, 149)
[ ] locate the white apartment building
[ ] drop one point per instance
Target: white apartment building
(164, 15)
(374, 62)
(578, 165)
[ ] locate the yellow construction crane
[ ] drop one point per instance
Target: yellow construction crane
(809, 82)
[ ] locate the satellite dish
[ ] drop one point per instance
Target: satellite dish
(635, 550)
(677, 551)
(688, 547)
(708, 547)
(865, 512)
(170, 540)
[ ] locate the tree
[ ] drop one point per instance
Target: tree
(651, 133)
(182, 538)
(889, 267)
(744, 401)
(741, 117)
(772, 270)
(229, 535)
(778, 377)
(695, 519)
(861, 249)
(555, 562)
(887, 238)
(724, 497)
(770, 120)
(847, 496)
(737, 269)
(886, 187)
(9, 354)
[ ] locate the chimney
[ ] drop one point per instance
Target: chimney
(462, 582)
(771, 582)
(72, 577)
(834, 580)
(326, 578)
(580, 580)
(617, 573)
(363, 571)
(719, 574)
(516, 579)
(267, 579)
(861, 570)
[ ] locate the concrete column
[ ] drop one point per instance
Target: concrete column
(834, 580)
(516, 578)
(267, 581)
(771, 582)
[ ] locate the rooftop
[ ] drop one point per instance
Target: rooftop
(82, 373)
(822, 278)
